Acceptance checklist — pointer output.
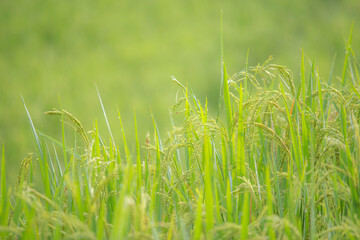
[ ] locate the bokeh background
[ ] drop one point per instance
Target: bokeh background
(51, 50)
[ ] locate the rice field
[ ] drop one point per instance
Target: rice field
(53, 49)
(279, 160)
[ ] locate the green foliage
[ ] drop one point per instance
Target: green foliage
(285, 165)
(50, 48)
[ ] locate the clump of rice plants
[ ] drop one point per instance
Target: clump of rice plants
(281, 161)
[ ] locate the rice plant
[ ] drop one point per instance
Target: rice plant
(280, 161)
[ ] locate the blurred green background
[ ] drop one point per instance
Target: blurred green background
(60, 49)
